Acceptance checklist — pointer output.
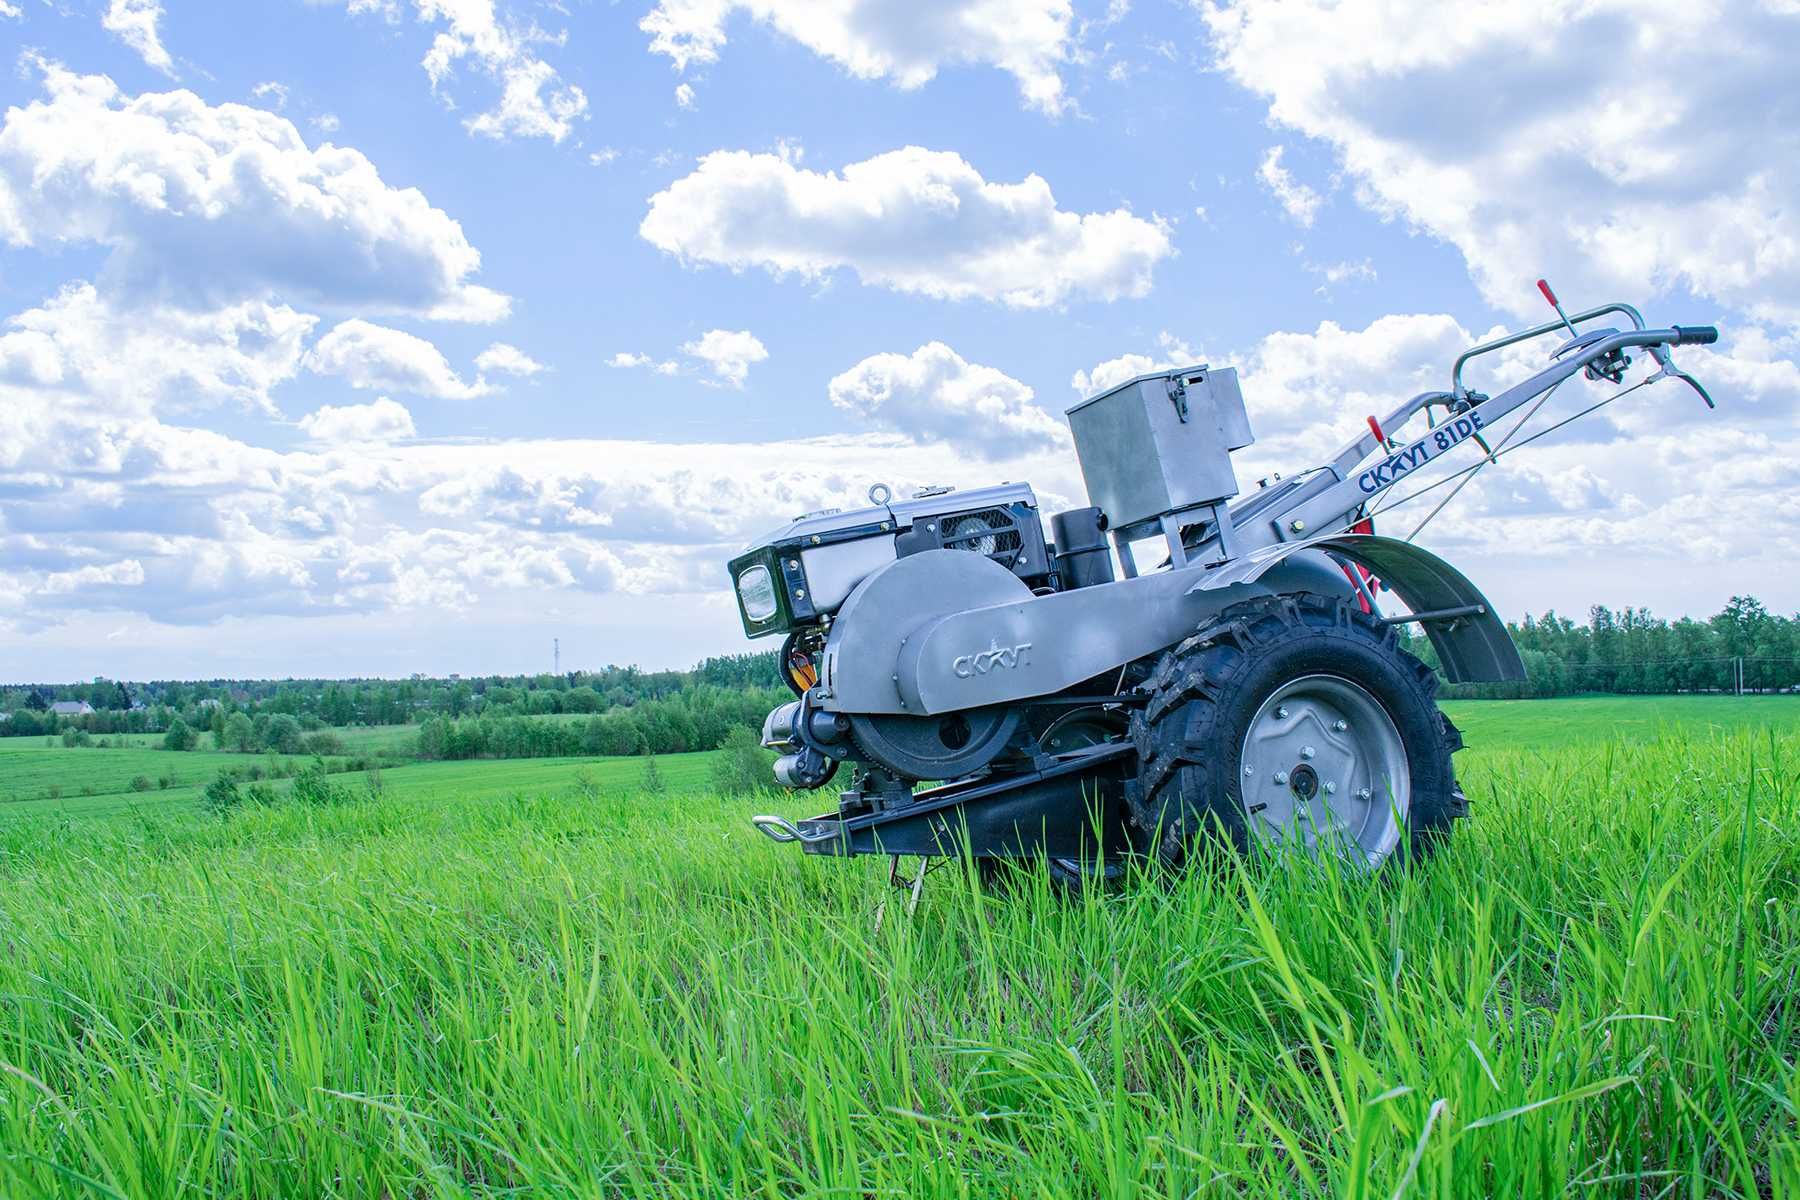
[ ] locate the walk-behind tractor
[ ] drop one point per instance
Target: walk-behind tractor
(1067, 706)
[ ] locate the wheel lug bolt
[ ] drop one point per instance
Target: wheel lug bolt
(1249, 770)
(1331, 789)
(1281, 777)
(1281, 711)
(1340, 725)
(1306, 752)
(1362, 793)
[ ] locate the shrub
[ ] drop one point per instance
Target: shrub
(323, 742)
(75, 737)
(140, 783)
(373, 784)
(56, 791)
(283, 735)
(238, 733)
(221, 795)
(313, 786)
(260, 794)
(165, 782)
(653, 782)
(742, 766)
(179, 736)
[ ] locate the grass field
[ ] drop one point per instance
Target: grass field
(524, 978)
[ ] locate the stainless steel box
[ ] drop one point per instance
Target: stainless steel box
(1161, 443)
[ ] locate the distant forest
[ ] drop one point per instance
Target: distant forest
(1742, 647)
(635, 711)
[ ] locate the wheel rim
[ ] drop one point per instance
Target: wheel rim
(1323, 765)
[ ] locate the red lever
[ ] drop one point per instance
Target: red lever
(1544, 287)
(1375, 428)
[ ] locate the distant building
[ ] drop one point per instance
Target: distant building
(72, 708)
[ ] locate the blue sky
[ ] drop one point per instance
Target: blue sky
(390, 335)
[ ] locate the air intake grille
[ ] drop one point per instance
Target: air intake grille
(989, 531)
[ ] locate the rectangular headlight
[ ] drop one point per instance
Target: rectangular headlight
(765, 595)
(756, 592)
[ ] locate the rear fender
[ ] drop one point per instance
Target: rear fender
(1474, 647)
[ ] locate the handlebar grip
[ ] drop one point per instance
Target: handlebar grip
(1695, 335)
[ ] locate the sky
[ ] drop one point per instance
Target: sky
(365, 337)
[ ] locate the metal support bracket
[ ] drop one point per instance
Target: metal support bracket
(1451, 616)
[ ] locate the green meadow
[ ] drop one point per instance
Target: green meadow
(535, 977)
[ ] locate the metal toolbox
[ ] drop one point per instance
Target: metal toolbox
(1161, 443)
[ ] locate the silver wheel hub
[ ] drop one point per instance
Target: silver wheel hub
(1324, 767)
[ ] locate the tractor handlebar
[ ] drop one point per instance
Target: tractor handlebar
(1695, 335)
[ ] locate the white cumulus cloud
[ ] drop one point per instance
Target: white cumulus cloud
(134, 23)
(727, 353)
(1616, 174)
(208, 204)
(127, 359)
(30, 356)
(503, 359)
(913, 220)
(1173, 353)
(1301, 203)
(534, 99)
(375, 357)
(935, 395)
(382, 421)
(124, 573)
(904, 41)
(722, 357)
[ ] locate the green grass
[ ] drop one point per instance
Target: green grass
(391, 739)
(490, 779)
(37, 772)
(357, 739)
(1594, 720)
(63, 782)
(502, 978)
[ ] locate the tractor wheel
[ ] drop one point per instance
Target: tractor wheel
(1294, 720)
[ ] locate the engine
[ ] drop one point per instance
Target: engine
(794, 579)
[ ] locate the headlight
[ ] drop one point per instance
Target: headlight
(756, 590)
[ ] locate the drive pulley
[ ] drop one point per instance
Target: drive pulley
(946, 746)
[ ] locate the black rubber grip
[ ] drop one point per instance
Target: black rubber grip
(1695, 335)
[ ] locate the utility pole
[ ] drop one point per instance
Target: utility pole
(556, 655)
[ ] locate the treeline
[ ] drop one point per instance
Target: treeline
(151, 706)
(1632, 652)
(1743, 646)
(700, 718)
